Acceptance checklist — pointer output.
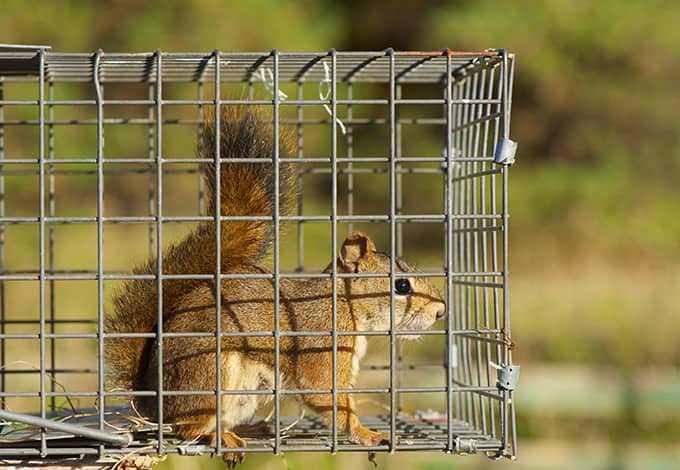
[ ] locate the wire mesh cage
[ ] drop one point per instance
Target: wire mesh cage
(99, 172)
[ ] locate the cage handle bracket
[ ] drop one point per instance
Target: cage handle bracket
(505, 152)
(121, 440)
(508, 375)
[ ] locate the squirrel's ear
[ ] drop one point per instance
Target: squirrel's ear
(355, 248)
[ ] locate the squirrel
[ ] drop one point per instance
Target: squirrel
(247, 305)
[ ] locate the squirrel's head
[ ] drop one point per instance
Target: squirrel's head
(418, 303)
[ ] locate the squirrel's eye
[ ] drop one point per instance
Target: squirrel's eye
(402, 286)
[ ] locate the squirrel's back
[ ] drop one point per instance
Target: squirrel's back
(246, 188)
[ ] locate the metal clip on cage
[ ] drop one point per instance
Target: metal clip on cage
(81, 129)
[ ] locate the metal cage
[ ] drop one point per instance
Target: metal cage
(413, 147)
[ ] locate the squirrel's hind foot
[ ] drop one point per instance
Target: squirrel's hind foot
(230, 439)
(366, 437)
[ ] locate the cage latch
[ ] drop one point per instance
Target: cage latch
(505, 152)
(508, 375)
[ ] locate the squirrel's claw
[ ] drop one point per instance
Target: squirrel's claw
(231, 459)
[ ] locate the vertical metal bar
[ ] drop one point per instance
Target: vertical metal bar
(334, 245)
(495, 86)
(201, 182)
(507, 98)
(3, 352)
(480, 144)
(506, 135)
(159, 247)
(277, 267)
(350, 155)
(251, 89)
(300, 182)
(151, 154)
(473, 249)
(485, 110)
(511, 60)
(506, 300)
(449, 258)
(393, 248)
(50, 170)
(398, 184)
(400, 229)
(41, 229)
(100, 239)
(218, 254)
(467, 251)
(498, 299)
(459, 257)
(459, 254)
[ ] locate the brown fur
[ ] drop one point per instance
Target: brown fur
(247, 305)
(305, 361)
(246, 189)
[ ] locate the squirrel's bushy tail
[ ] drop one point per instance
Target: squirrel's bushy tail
(246, 189)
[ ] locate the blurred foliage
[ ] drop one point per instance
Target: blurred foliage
(594, 199)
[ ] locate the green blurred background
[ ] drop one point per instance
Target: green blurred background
(595, 210)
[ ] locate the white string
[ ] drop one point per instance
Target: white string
(266, 76)
(495, 366)
(324, 96)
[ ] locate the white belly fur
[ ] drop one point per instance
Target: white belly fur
(360, 345)
(242, 373)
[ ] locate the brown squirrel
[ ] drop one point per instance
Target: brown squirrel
(247, 305)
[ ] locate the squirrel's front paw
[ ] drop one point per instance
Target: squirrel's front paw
(367, 437)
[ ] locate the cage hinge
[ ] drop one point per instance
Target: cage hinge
(465, 446)
(508, 375)
(505, 152)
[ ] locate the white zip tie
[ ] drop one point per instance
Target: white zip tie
(324, 96)
(266, 76)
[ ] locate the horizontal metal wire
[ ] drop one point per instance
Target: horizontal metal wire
(289, 102)
(55, 321)
(187, 160)
(287, 218)
(205, 450)
(424, 271)
(256, 334)
(31, 275)
(283, 391)
(94, 371)
(10, 371)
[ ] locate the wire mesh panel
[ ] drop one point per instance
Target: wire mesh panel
(100, 172)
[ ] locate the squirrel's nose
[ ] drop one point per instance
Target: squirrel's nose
(441, 312)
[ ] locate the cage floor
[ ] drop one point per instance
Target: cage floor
(420, 431)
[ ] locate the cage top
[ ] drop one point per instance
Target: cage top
(409, 67)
